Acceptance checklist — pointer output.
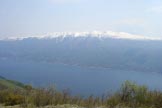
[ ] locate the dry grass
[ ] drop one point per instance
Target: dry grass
(30, 106)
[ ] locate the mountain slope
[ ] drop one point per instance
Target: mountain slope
(5, 83)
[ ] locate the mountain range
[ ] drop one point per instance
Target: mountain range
(96, 49)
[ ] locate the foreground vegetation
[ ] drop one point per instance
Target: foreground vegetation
(129, 95)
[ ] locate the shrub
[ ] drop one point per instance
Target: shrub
(43, 96)
(133, 94)
(13, 99)
(113, 101)
(12, 96)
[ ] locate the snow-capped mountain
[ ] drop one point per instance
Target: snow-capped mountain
(91, 49)
(96, 34)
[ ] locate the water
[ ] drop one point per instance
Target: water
(79, 79)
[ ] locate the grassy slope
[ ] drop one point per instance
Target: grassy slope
(5, 83)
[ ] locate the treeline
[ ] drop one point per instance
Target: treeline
(129, 95)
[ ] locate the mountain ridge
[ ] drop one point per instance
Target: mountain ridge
(96, 34)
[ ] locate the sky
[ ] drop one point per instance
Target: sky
(29, 17)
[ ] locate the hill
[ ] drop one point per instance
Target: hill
(5, 83)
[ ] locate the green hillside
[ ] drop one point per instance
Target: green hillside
(5, 83)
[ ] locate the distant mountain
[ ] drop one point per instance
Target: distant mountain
(84, 62)
(121, 51)
(97, 34)
(5, 84)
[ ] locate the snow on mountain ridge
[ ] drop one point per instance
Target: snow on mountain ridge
(97, 34)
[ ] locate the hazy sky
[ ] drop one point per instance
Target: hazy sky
(25, 17)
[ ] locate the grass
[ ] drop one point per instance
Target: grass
(10, 84)
(49, 106)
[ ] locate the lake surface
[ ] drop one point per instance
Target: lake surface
(79, 79)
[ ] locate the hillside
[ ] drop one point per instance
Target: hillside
(130, 95)
(5, 83)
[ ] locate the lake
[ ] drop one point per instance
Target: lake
(83, 80)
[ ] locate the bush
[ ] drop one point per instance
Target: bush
(43, 96)
(9, 97)
(14, 99)
(133, 94)
(113, 101)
